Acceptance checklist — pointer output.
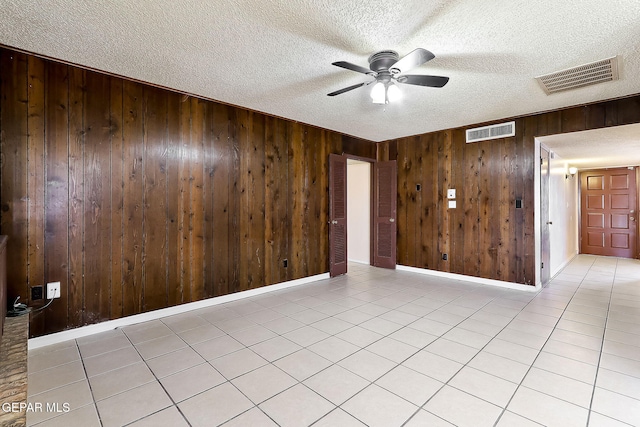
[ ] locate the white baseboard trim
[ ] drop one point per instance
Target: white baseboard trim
(563, 265)
(108, 325)
(357, 261)
(483, 281)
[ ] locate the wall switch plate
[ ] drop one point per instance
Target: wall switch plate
(36, 293)
(285, 263)
(53, 290)
(452, 204)
(445, 257)
(451, 193)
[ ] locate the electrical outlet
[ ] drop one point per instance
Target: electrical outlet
(445, 257)
(285, 263)
(36, 293)
(53, 290)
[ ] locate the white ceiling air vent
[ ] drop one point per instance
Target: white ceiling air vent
(584, 75)
(484, 133)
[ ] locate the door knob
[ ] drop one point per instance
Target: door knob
(549, 222)
(334, 222)
(391, 220)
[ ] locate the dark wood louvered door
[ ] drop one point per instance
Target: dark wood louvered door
(608, 212)
(385, 177)
(337, 215)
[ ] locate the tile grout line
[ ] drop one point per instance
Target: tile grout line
(540, 351)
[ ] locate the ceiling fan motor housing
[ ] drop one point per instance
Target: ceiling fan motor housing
(383, 60)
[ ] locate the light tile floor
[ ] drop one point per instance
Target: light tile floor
(375, 347)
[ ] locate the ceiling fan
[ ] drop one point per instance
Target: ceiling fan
(387, 69)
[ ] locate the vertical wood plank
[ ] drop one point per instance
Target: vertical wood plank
(57, 193)
(234, 200)
(276, 169)
(117, 199)
(155, 199)
(97, 208)
(173, 198)
(13, 188)
(184, 202)
(76, 229)
(36, 170)
(403, 230)
(207, 190)
(469, 211)
(196, 256)
(221, 174)
(133, 154)
(444, 181)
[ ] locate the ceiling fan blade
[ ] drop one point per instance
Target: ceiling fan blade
(346, 89)
(411, 60)
(352, 67)
(420, 80)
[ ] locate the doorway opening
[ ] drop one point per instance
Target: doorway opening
(359, 211)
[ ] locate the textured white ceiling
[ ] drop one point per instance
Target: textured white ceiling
(275, 56)
(599, 148)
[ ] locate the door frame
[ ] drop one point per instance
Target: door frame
(636, 170)
(545, 220)
(371, 201)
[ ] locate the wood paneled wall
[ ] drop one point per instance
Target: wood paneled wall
(137, 198)
(485, 236)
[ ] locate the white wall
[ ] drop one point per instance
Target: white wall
(358, 211)
(563, 212)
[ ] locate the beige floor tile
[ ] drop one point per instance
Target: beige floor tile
(275, 348)
(111, 343)
(424, 418)
(296, 406)
(235, 364)
(263, 383)
(41, 360)
(166, 417)
(392, 349)
(616, 406)
(85, 416)
(410, 385)
(432, 365)
(559, 386)
(200, 334)
(75, 395)
(462, 409)
(252, 418)
(336, 384)
(338, 417)
(217, 347)
(568, 367)
(173, 362)
(333, 349)
(377, 407)
(119, 380)
(547, 410)
(509, 419)
(159, 346)
(358, 336)
(192, 381)
(302, 364)
(55, 377)
(484, 386)
(140, 402)
(499, 366)
(105, 362)
(230, 403)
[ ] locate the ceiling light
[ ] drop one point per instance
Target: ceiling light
(393, 93)
(378, 93)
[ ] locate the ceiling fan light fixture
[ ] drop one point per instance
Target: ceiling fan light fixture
(378, 93)
(393, 93)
